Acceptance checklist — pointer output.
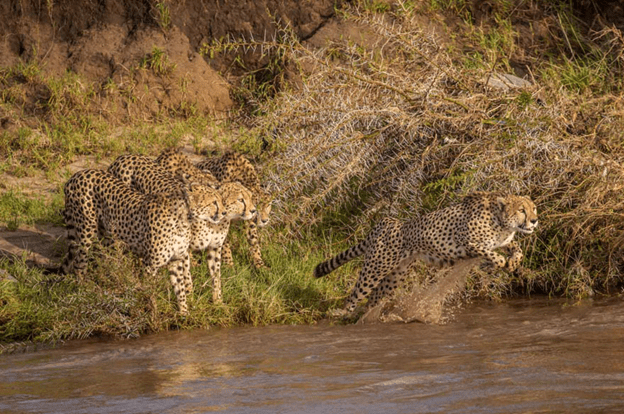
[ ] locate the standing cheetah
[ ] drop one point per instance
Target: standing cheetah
(157, 227)
(477, 226)
(235, 167)
(210, 237)
(146, 176)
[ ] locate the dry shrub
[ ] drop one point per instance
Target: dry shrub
(403, 127)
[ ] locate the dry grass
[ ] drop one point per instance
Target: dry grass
(406, 126)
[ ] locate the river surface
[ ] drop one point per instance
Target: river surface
(521, 356)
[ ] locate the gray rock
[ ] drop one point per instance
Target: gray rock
(4, 275)
(506, 81)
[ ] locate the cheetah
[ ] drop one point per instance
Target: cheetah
(181, 166)
(145, 176)
(156, 227)
(210, 237)
(477, 226)
(235, 167)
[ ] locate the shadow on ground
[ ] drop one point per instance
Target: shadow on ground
(39, 246)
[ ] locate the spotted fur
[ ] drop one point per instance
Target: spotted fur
(157, 227)
(181, 167)
(477, 226)
(235, 167)
(147, 176)
(210, 237)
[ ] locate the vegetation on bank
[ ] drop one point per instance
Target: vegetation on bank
(397, 122)
(401, 123)
(114, 300)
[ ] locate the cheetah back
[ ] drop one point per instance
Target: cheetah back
(180, 166)
(144, 175)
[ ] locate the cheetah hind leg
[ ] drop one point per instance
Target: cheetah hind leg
(388, 284)
(80, 242)
(76, 260)
(377, 264)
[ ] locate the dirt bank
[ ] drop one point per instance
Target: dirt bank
(148, 50)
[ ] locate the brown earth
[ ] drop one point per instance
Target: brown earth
(107, 41)
(39, 245)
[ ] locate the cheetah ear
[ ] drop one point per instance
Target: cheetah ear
(502, 203)
(183, 178)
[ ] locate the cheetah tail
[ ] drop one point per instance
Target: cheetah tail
(335, 262)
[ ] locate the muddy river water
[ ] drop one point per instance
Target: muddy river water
(520, 356)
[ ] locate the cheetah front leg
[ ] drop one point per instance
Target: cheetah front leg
(214, 264)
(226, 253)
(186, 271)
(254, 244)
(180, 281)
(515, 255)
(494, 259)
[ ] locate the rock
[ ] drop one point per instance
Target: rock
(6, 276)
(506, 82)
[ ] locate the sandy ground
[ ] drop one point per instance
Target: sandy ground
(40, 245)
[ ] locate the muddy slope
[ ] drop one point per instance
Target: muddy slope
(109, 42)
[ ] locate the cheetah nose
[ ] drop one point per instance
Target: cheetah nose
(253, 211)
(224, 213)
(534, 222)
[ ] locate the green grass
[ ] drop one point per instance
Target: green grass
(163, 15)
(158, 61)
(374, 6)
(114, 300)
(59, 118)
(17, 209)
(582, 75)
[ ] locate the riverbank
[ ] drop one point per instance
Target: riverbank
(371, 109)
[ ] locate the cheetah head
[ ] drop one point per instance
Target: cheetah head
(263, 205)
(238, 201)
(518, 213)
(206, 203)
